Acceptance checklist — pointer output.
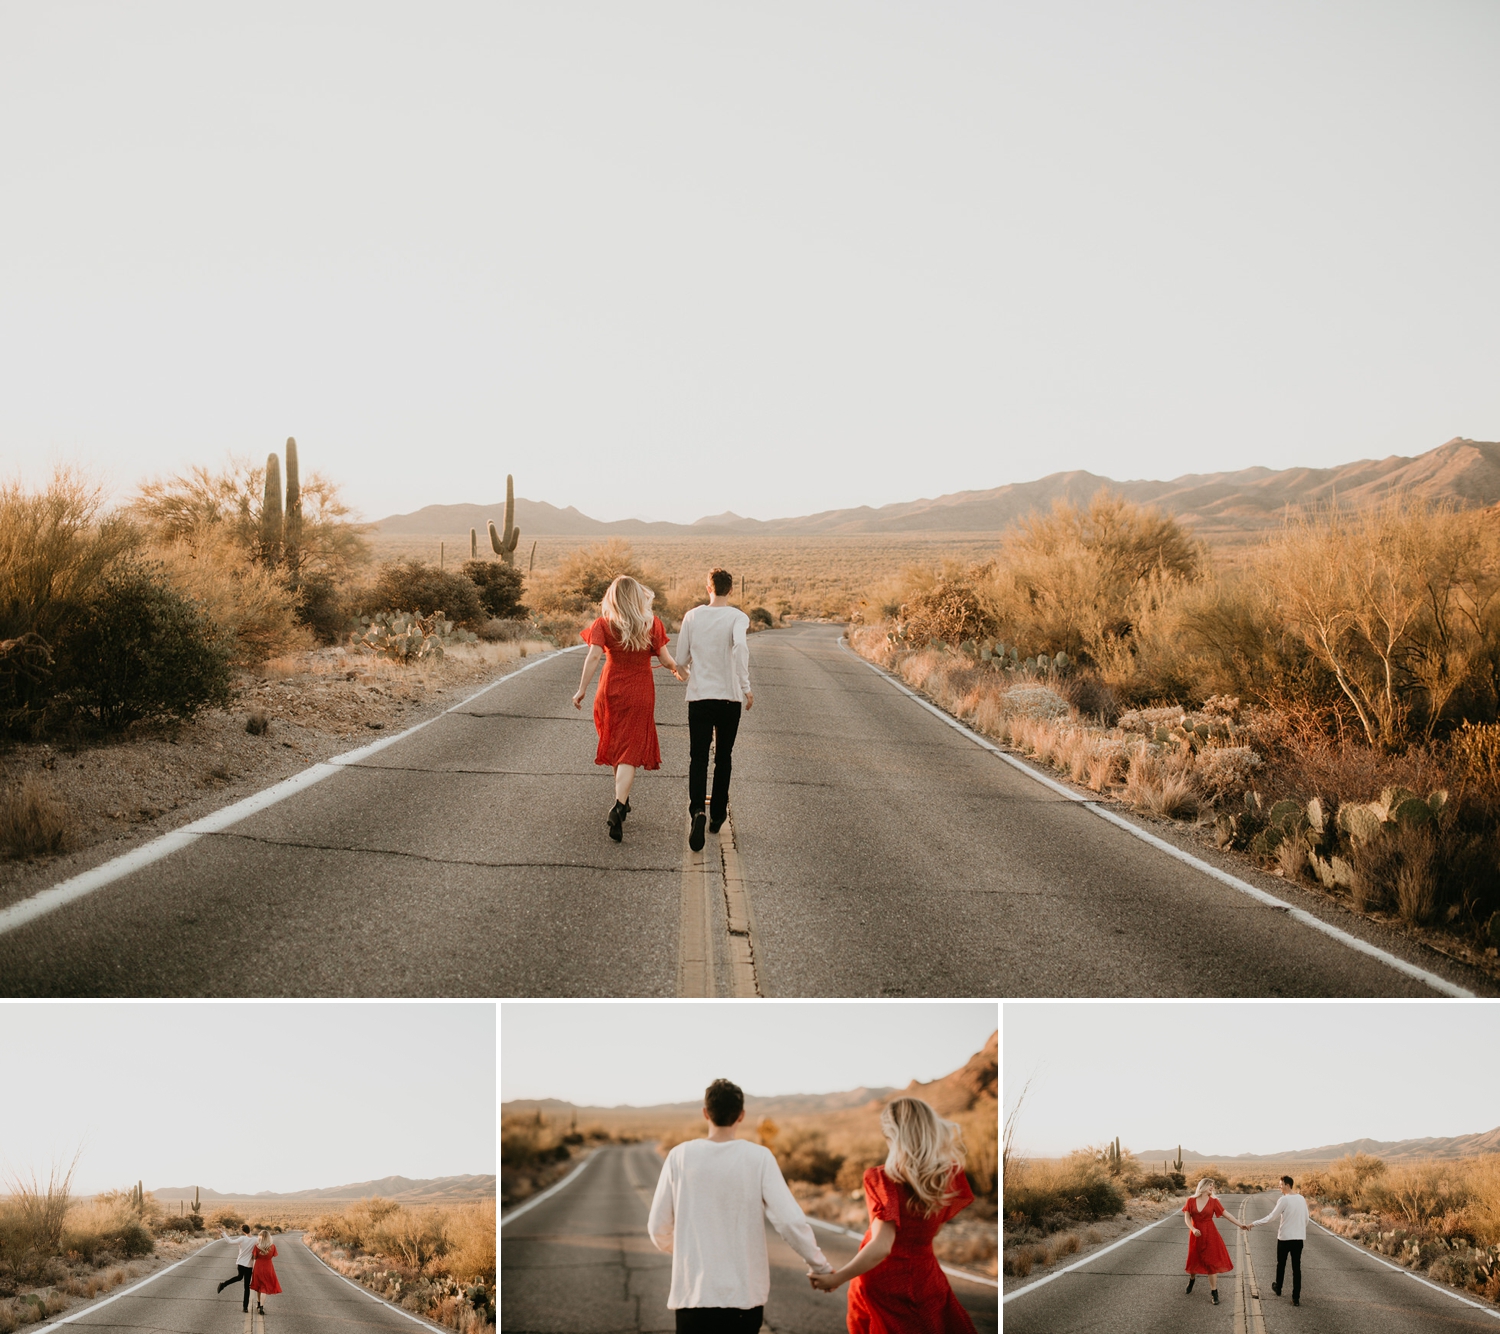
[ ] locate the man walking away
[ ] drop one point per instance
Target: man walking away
(712, 647)
(243, 1261)
(707, 1213)
(1291, 1232)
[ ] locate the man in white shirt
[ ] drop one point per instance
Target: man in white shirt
(710, 1199)
(1291, 1232)
(244, 1261)
(712, 646)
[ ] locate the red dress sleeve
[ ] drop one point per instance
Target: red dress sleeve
(1215, 1209)
(596, 634)
(658, 634)
(962, 1196)
(882, 1195)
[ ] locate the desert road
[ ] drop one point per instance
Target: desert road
(873, 850)
(1137, 1288)
(580, 1262)
(183, 1300)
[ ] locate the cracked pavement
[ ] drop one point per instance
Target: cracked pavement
(580, 1262)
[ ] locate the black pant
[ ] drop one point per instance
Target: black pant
(242, 1272)
(718, 1319)
(1294, 1249)
(705, 717)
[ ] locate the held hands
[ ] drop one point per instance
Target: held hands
(824, 1282)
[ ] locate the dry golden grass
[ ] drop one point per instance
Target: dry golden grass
(34, 820)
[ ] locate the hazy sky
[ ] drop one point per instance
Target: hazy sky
(604, 1054)
(1236, 1077)
(664, 259)
(236, 1097)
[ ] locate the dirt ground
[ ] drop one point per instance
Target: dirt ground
(123, 792)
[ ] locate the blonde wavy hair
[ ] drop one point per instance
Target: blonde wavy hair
(1205, 1189)
(924, 1150)
(627, 607)
(264, 1241)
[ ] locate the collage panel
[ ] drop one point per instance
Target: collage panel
(723, 1166)
(248, 1168)
(1261, 1166)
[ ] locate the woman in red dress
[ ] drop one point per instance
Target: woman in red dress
(897, 1285)
(1207, 1253)
(263, 1274)
(627, 636)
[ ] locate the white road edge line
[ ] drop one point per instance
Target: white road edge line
(415, 1319)
(1438, 984)
(78, 886)
(551, 1190)
(1416, 1278)
(957, 1273)
(90, 1307)
(1087, 1259)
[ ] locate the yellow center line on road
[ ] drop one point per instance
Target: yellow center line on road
(744, 942)
(695, 942)
(1249, 1288)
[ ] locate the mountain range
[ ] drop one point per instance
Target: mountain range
(403, 1189)
(1455, 1146)
(1220, 506)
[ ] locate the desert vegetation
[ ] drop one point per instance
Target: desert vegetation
(1328, 705)
(1441, 1218)
(437, 1262)
(535, 1150)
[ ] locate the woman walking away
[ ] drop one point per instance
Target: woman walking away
(263, 1279)
(1207, 1253)
(898, 1286)
(627, 636)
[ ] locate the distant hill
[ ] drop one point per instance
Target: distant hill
(1221, 506)
(1457, 1146)
(404, 1189)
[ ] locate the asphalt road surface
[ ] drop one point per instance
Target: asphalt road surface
(873, 850)
(313, 1300)
(580, 1262)
(1138, 1289)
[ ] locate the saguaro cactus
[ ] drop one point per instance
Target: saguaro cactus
(270, 513)
(1112, 1156)
(505, 545)
(292, 536)
(473, 545)
(1177, 1162)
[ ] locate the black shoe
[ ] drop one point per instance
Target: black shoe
(1192, 1278)
(715, 825)
(221, 1287)
(1276, 1288)
(616, 821)
(695, 839)
(261, 1310)
(1296, 1301)
(627, 805)
(1215, 1295)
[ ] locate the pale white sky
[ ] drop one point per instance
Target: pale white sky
(605, 1053)
(247, 1097)
(1234, 1077)
(667, 258)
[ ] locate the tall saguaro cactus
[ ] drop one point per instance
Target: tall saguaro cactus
(473, 545)
(270, 513)
(292, 539)
(505, 545)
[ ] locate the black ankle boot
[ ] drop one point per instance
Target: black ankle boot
(616, 821)
(1215, 1295)
(1192, 1278)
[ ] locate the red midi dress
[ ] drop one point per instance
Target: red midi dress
(625, 702)
(263, 1276)
(1207, 1253)
(907, 1293)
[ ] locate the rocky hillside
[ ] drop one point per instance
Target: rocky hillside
(1454, 1146)
(428, 1190)
(1223, 507)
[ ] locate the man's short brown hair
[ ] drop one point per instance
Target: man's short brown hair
(1289, 1182)
(723, 1102)
(723, 581)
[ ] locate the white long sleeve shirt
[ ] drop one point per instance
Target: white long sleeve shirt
(1293, 1212)
(713, 646)
(710, 1199)
(246, 1246)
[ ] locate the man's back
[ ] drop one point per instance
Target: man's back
(710, 1201)
(712, 642)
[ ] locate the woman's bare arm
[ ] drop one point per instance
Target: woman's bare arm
(666, 661)
(590, 662)
(882, 1238)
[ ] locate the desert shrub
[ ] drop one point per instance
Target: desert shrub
(226, 1218)
(1345, 1180)
(1077, 1188)
(804, 1156)
(105, 1227)
(471, 1243)
(582, 579)
(1419, 1192)
(323, 607)
(415, 1237)
(247, 602)
(34, 820)
(416, 586)
(140, 650)
(950, 610)
(176, 1223)
(527, 1141)
(760, 616)
(862, 1156)
(499, 585)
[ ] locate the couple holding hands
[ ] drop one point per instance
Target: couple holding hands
(1207, 1253)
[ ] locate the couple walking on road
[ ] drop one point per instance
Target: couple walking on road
(253, 1265)
(714, 660)
(712, 1194)
(1207, 1253)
